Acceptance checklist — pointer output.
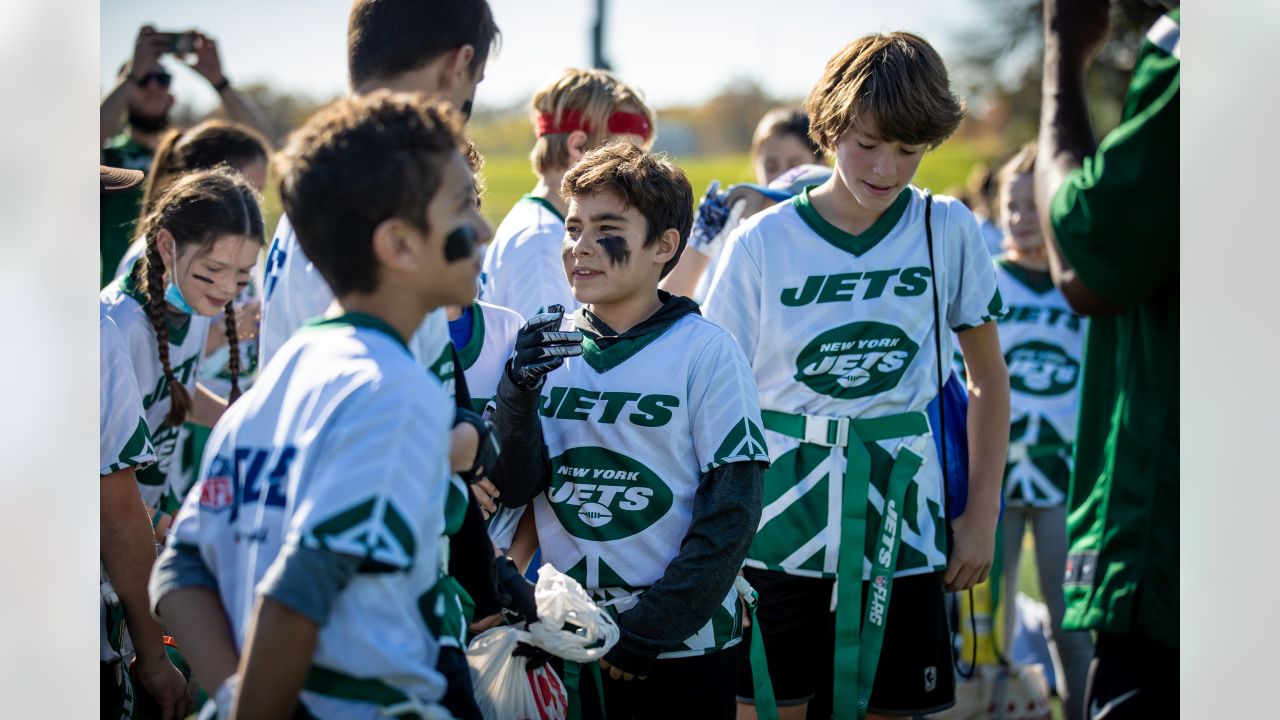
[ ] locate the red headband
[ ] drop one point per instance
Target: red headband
(620, 123)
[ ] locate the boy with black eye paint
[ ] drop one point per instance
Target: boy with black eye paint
(645, 469)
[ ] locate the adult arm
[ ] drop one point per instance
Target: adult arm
(128, 552)
(147, 48)
(726, 511)
(240, 108)
(1074, 33)
(988, 421)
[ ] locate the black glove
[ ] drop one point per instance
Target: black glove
(486, 451)
(541, 347)
(514, 592)
(537, 656)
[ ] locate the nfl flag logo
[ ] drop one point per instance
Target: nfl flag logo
(216, 492)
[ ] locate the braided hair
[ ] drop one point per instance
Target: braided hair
(197, 209)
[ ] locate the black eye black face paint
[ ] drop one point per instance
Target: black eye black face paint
(617, 250)
(460, 244)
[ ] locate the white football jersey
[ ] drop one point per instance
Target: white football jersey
(294, 292)
(123, 302)
(631, 430)
(214, 374)
(523, 269)
(493, 338)
(124, 439)
(123, 442)
(1043, 344)
(342, 446)
(484, 358)
(838, 325)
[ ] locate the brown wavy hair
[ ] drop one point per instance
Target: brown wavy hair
(646, 182)
(897, 79)
(197, 209)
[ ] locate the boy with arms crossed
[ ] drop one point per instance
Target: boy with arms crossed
(316, 525)
(579, 111)
(644, 472)
(833, 297)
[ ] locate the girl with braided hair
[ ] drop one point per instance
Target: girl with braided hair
(204, 236)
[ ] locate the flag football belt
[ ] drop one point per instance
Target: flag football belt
(859, 632)
(766, 704)
(394, 703)
(573, 687)
(1023, 451)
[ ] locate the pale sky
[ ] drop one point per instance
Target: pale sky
(675, 51)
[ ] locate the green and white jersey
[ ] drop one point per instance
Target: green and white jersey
(124, 303)
(295, 292)
(123, 442)
(523, 270)
(842, 326)
(214, 375)
(493, 337)
(484, 357)
(342, 446)
(1043, 342)
(433, 349)
(631, 430)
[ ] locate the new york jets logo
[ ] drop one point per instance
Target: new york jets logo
(1039, 368)
(855, 360)
(603, 495)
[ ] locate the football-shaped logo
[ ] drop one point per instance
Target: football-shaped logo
(594, 514)
(854, 378)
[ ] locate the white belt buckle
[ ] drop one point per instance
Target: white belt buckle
(816, 431)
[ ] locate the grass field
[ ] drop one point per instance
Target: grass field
(510, 176)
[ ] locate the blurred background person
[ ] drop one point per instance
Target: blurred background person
(142, 99)
(781, 142)
(1109, 212)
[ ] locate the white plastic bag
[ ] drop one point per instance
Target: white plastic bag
(505, 688)
(562, 601)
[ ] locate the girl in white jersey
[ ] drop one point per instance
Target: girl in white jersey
(317, 528)
(203, 236)
(838, 299)
(1043, 342)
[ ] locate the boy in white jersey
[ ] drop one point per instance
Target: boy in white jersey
(839, 298)
(1043, 341)
(579, 111)
(316, 526)
(438, 48)
(644, 473)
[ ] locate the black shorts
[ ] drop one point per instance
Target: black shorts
(915, 675)
(695, 687)
(1132, 676)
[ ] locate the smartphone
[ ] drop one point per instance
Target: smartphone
(181, 43)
